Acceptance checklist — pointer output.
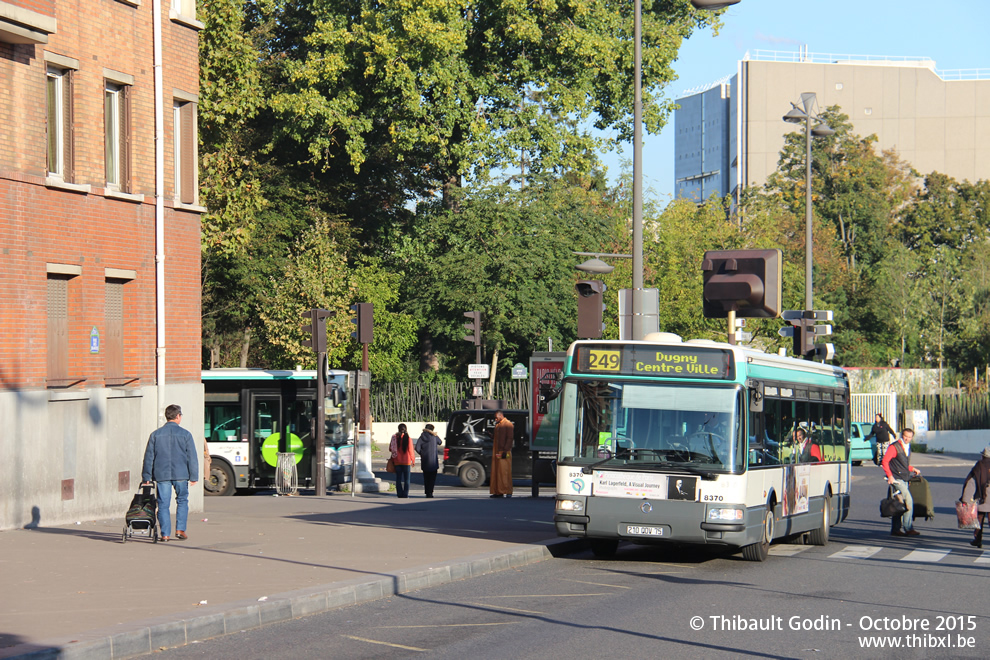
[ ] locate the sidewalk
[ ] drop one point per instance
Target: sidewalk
(78, 592)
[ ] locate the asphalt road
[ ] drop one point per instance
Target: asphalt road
(864, 588)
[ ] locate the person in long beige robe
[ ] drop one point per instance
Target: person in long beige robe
(500, 482)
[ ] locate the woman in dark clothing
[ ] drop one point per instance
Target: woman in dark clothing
(975, 488)
(884, 434)
(429, 463)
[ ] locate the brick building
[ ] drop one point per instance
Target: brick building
(99, 249)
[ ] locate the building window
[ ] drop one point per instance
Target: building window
(186, 177)
(116, 124)
(58, 329)
(59, 102)
(185, 8)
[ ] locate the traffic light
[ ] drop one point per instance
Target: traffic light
(316, 329)
(804, 331)
(591, 308)
(473, 328)
(364, 318)
(744, 281)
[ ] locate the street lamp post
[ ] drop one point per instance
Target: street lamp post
(805, 115)
(637, 290)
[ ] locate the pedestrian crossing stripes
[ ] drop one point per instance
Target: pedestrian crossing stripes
(927, 556)
(920, 555)
(856, 552)
(787, 550)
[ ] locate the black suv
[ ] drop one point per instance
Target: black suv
(467, 451)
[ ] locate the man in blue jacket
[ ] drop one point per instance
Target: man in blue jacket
(171, 460)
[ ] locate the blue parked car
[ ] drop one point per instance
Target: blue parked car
(862, 443)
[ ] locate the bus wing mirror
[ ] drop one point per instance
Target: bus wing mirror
(336, 395)
(756, 399)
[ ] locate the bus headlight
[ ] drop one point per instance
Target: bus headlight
(725, 514)
(570, 505)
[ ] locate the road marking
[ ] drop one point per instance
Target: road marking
(541, 522)
(454, 625)
(787, 550)
(926, 556)
(503, 607)
(598, 584)
(375, 641)
(983, 559)
(550, 595)
(856, 552)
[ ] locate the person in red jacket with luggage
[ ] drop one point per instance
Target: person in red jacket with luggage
(897, 465)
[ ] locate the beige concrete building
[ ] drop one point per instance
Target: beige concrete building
(730, 134)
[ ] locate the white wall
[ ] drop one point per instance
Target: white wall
(957, 442)
(90, 436)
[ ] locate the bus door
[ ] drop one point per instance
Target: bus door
(264, 425)
(302, 433)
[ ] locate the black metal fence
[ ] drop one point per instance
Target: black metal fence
(431, 402)
(949, 412)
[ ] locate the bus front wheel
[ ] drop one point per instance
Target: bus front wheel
(760, 551)
(820, 536)
(221, 481)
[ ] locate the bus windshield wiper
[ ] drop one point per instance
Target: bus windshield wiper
(704, 474)
(588, 468)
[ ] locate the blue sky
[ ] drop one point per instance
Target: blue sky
(951, 32)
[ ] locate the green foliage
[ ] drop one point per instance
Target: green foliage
(506, 253)
(445, 87)
(313, 276)
(335, 138)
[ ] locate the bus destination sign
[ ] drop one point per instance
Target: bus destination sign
(658, 361)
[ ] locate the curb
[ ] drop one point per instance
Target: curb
(170, 631)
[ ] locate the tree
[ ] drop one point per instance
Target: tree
(444, 88)
(853, 187)
(507, 253)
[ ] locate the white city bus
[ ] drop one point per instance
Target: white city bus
(699, 442)
(251, 415)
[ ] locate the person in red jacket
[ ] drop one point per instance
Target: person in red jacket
(897, 465)
(805, 450)
(403, 457)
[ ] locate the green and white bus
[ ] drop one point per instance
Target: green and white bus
(699, 442)
(252, 415)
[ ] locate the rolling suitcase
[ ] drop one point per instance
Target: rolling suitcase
(921, 493)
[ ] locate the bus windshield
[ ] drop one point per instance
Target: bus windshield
(651, 425)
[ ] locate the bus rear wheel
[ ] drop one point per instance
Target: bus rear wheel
(221, 481)
(820, 536)
(761, 550)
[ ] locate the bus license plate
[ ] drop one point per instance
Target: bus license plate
(639, 530)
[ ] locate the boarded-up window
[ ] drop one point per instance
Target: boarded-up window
(186, 179)
(113, 355)
(58, 329)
